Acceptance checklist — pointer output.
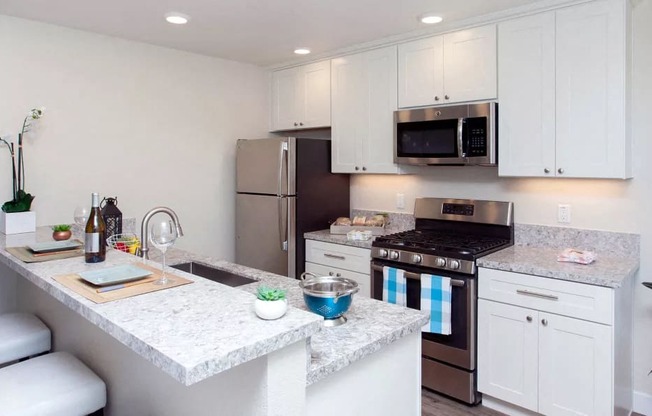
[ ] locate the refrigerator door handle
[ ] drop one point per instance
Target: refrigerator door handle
(282, 163)
(282, 224)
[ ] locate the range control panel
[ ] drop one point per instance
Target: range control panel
(458, 209)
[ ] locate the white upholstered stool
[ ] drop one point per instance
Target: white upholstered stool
(22, 335)
(49, 385)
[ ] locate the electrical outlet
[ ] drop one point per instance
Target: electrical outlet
(400, 201)
(564, 214)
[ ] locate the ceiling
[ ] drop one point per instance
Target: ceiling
(261, 32)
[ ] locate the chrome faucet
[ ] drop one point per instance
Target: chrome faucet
(144, 229)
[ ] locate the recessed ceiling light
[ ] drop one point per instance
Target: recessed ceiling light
(177, 18)
(302, 51)
(430, 19)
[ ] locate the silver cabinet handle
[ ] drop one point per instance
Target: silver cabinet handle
(300, 123)
(546, 170)
(364, 168)
(436, 98)
(544, 322)
(529, 318)
(447, 97)
(295, 124)
(536, 295)
(334, 256)
(357, 168)
(560, 170)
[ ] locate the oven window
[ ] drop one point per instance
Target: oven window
(460, 299)
(427, 138)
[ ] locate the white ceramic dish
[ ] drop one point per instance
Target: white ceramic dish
(54, 246)
(113, 275)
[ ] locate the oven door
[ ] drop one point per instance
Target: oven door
(458, 348)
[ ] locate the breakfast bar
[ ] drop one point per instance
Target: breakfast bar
(191, 348)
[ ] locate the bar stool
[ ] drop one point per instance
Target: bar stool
(22, 335)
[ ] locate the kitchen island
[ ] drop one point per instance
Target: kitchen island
(194, 348)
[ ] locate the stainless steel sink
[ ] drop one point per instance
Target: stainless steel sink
(214, 274)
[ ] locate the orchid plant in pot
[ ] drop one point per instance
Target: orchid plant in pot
(21, 201)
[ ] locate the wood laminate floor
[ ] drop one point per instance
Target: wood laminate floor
(432, 404)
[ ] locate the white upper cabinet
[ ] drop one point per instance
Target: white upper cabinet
(562, 93)
(452, 68)
(363, 105)
(301, 97)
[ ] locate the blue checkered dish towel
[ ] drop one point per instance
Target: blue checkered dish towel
(436, 299)
(394, 286)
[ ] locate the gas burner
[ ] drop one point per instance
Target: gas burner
(437, 241)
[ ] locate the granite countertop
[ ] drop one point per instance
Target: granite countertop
(191, 332)
(326, 236)
(371, 324)
(609, 271)
(195, 331)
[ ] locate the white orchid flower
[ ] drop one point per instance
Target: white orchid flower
(36, 113)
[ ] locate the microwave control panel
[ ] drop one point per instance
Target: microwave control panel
(476, 130)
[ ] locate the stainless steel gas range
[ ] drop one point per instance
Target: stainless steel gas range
(449, 235)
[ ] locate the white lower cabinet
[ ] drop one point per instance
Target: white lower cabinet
(532, 356)
(340, 260)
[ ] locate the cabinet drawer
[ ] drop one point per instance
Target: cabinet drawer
(337, 255)
(363, 280)
(577, 300)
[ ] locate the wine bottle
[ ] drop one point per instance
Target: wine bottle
(95, 246)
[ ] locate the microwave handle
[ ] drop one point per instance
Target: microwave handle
(460, 138)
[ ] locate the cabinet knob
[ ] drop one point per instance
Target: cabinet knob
(544, 322)
(436, 98)
(447, 97)
(529, 318)
(330, 273)
(338, 275)
(364, 168)
(301, 124)
(357, 168)
(295, 124)
(560, 170)
(546, 170)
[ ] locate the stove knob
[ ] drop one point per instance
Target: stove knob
(416, 258)
(440, 262)
(393, 255)
(382, 253)
(454, 264)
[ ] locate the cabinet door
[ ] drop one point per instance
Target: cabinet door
(363, 280)
(591, 82)
(507, 353)
(420, 72)
(470, 64)
(346, 123)
(377, 111)
(315, 95)
(575, 359)
(285, 110)
(526, 90)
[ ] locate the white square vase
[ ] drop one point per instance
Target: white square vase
(17, 222)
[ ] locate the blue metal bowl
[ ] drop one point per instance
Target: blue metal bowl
(328, 296)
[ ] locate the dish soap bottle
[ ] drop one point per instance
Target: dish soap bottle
(95, 245)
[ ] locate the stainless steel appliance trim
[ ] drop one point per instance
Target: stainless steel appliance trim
(449, 380)
(410, 275)
(291, 165)
(334, 256)
(291, 236)
(283, 223)
(536, 295)
(485, 212)
(460, 145)
(434, 113)
(282, 162)
(427, 260)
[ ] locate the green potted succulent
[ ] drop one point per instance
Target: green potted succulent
(61, 232)
(270, 303)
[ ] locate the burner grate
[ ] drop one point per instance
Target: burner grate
(441, 241)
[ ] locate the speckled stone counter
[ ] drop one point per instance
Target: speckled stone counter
(537, 247)
(326, 236)
(191, 332)
(371, 324)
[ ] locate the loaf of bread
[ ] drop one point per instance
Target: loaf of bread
(359, 220)
(342, 221)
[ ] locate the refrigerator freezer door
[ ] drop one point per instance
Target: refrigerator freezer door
(263, 233)
(266, 166)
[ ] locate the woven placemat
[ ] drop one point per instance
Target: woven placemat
(78, 285)
(28, 256)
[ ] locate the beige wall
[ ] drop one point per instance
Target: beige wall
(597, 204)
(153, 126)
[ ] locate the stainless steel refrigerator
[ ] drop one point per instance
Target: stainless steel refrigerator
(284, 188)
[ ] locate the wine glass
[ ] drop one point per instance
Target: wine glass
(162, 235)
(81, 215)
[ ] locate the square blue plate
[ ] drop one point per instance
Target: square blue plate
(113, 275)
(54, 246)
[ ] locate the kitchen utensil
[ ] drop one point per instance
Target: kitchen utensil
(328, 296)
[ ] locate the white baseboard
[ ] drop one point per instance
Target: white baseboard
(642, 403)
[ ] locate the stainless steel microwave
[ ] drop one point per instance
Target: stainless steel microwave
(453, 135)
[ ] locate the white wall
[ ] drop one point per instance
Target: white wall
(612, 205)
(153, 126)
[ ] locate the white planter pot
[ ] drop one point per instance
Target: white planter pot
(17, 222)
(270, 309)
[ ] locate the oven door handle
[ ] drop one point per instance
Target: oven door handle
(416, 276)
(460, 137)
